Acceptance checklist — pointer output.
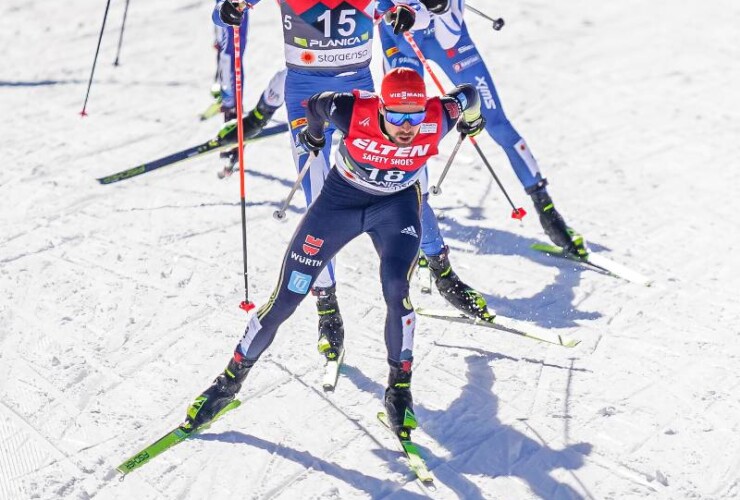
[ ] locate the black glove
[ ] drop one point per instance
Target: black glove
(436, 6)
(309, 142)
(230, 14)
(473, 128)
(401, 17)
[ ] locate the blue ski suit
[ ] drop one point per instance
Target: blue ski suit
(447, 42)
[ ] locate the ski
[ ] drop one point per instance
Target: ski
(597, 261)
(331, 372)
(415, 461)
(495, 323)
(211, 111)
(217, 144)
(172, 438)
(215, 107)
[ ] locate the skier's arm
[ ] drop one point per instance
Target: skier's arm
(232, 14)
(334, 107)
(422, 17)
(463, 104)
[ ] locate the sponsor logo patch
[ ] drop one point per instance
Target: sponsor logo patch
(365, 122)
(453, 109)
(466, 63)
(485, 92)
(308, 57)
(312, 245)
(306, 261)
(298, 123)
(411, 231)
(299, 283)
(428, 128)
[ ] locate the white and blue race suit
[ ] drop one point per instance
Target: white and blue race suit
(447, 42)
(225, 46)
(328, 47)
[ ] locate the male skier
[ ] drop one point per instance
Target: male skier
(327, 49)
(372, 189)
(448, 43)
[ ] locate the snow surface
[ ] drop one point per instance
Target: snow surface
(118, 303)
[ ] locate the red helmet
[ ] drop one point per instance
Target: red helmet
(403, 86)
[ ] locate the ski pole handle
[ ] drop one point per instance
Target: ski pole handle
(280, 213)
(435, 190)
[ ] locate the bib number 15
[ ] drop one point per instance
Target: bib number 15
(345, 23)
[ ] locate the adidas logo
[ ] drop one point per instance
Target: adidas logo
(410, 231)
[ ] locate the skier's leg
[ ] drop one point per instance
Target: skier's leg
(329, 224)
(468, 66)
(394, 225)
(299, 87)
(270, 100)
(226, 66)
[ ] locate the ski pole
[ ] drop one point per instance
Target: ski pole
(438, 189)
(280, 213)
(497, 23)
(247, 305)
(97, 50)
(517, 213)
(120, 37)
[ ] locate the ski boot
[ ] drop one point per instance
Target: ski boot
(454, 290)
(331, 327)
(423, 263)
(214, 108)
(256, 119)
(554, 224)
(222, 391)
(399, 404)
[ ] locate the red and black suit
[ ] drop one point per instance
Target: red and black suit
(372, 189)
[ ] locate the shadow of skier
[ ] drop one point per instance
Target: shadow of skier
(551, 307)
(373, 486)
(480, 444)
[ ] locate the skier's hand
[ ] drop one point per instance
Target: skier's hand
(232, 12)
(401, 17)
(471, 127)
(309, 142)
(436, 6)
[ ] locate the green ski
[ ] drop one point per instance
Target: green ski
(495, 323)
(597, 261)
(167, 441)
(415, 461)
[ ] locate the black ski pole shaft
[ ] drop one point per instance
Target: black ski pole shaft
(95, 61)
(120, 37)
(497, 23)
(518, 213)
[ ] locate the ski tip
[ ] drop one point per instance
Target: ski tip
(568, 342)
